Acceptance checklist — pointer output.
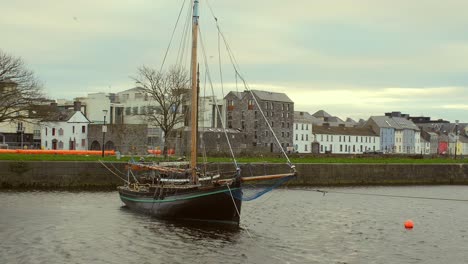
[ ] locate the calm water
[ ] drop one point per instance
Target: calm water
(285, 226)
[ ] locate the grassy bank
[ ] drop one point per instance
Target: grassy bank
(299, 159)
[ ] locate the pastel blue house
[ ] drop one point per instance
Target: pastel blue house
(385, 127)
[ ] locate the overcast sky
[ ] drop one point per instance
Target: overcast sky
(351, 58)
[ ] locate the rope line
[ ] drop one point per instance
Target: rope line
(172, 36)
(382, 195)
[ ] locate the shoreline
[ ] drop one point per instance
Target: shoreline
(82, 175)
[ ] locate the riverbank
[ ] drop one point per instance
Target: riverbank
(93, 175)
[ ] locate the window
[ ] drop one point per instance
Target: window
(307, 137)
(83, 142)
(282, 134)
(60, 132)
(287, 106)
(251, 105)
(305, 147)
(266, 133)
(128, 110)
(297, 137)
(53, 131)
(282, 107)
(83, 129)
(135, 110)
(255, 134)
(272, 123)
(307, 126)
(302, 126)
(287, 125)
(297, 126)
(282, 124)
(302, 137)
(73, 129)
(46, 133)
(287, 134)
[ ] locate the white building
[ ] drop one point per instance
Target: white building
(345, 140)
(67, 130)
(425, 146)
(209, 114)
(302, 132)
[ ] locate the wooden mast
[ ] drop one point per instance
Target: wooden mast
(194, 107)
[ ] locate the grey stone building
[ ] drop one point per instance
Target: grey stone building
(275, 110)
(211, 141)
(128, 139)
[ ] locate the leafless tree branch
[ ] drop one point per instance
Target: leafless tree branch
(20, 91)
(169, 90)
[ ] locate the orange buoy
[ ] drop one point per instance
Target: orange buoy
(409, 224)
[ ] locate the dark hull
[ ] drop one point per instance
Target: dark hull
(213, 204)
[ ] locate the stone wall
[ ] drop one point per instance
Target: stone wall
(93, 175)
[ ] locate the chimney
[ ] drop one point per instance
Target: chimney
(77, 106)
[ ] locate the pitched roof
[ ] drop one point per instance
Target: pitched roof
(351, 131)
(321, 113)
(405, 123)
(271, 96)
(237, 94)
(60, 116)
(385, 122)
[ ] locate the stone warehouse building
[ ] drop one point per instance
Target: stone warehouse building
(275, 110)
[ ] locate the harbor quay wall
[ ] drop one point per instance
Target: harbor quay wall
(93, 175)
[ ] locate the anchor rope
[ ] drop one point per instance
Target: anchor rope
(324, 192)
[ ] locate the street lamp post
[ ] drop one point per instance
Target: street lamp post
(104, 130)
(456, 137)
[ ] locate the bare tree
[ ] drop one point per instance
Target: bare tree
(169, 91)
(20, 91)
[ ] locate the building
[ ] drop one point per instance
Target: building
(385, 127)
(65, 129)
(266, 118)
(303, 136)
(407, 136)
(345, 140)
(125, 138)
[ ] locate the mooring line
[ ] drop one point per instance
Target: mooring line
(382, 195)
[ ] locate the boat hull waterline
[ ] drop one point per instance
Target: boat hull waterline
(212, 205)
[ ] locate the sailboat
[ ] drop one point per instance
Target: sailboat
(191, 193)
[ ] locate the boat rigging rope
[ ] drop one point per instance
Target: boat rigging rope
(246, 86)
(113, 172)
(382, 195)
(172, 36)
(216, 103)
